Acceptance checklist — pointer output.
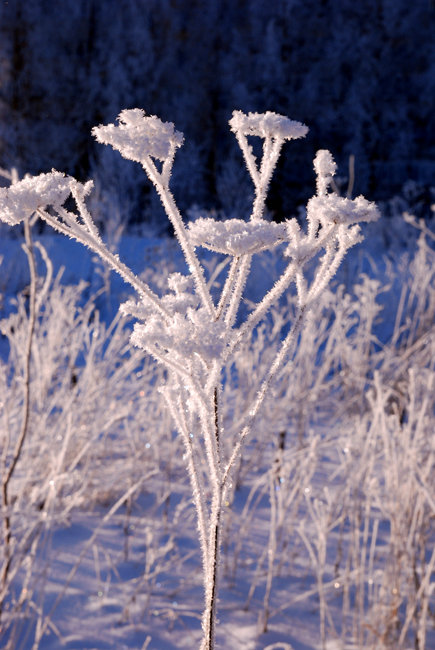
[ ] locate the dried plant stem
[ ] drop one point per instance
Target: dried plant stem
(271, 550)
(214, 542)
(175, 218)
(209, 617)
(7, 471)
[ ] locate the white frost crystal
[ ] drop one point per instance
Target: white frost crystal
(236, 237)
(138, 136)
(267, 124)
(25, 197)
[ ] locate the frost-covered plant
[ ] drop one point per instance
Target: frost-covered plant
(185, 330)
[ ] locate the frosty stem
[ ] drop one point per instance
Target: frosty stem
(214, 541)
(161, 184)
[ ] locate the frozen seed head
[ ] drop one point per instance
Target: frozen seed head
(138, 136)
(235, 236)
(330, 208)
(23, 199)
(267, 124)
(183, 335)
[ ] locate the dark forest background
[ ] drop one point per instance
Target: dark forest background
(361, 75)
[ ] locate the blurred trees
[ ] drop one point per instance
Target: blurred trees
(361, 75)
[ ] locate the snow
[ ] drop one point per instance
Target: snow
(110, 603)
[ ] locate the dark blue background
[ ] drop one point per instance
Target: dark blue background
(361, 75)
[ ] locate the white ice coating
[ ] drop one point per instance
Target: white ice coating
(331, 208)
(325, 168)
(187, 333)
(324, 163)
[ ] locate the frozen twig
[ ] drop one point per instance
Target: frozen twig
(8, 470)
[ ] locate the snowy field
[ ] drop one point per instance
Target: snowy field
(328, 532)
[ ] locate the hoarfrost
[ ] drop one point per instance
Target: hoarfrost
(336, 209)
(267, 125)
(138, 136)
(236, 237)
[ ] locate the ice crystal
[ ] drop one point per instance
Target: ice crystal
(183, 335)
(325, 168)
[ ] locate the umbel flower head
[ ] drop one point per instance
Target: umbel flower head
(236, 237)
(331, 208)
(23, 199)
(267, 125)
(138, 136)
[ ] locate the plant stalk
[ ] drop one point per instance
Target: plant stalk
(8, 472)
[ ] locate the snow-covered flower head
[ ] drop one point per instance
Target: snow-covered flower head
(331, 208)
(236, 237)
(184, 335)
(267, 125)
(138, 136)
(325, 168)
(22, 199)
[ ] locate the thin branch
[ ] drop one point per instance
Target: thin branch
(280, 357)
(84, 237)
(229, 282)
(25, 409)
(175, 218)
